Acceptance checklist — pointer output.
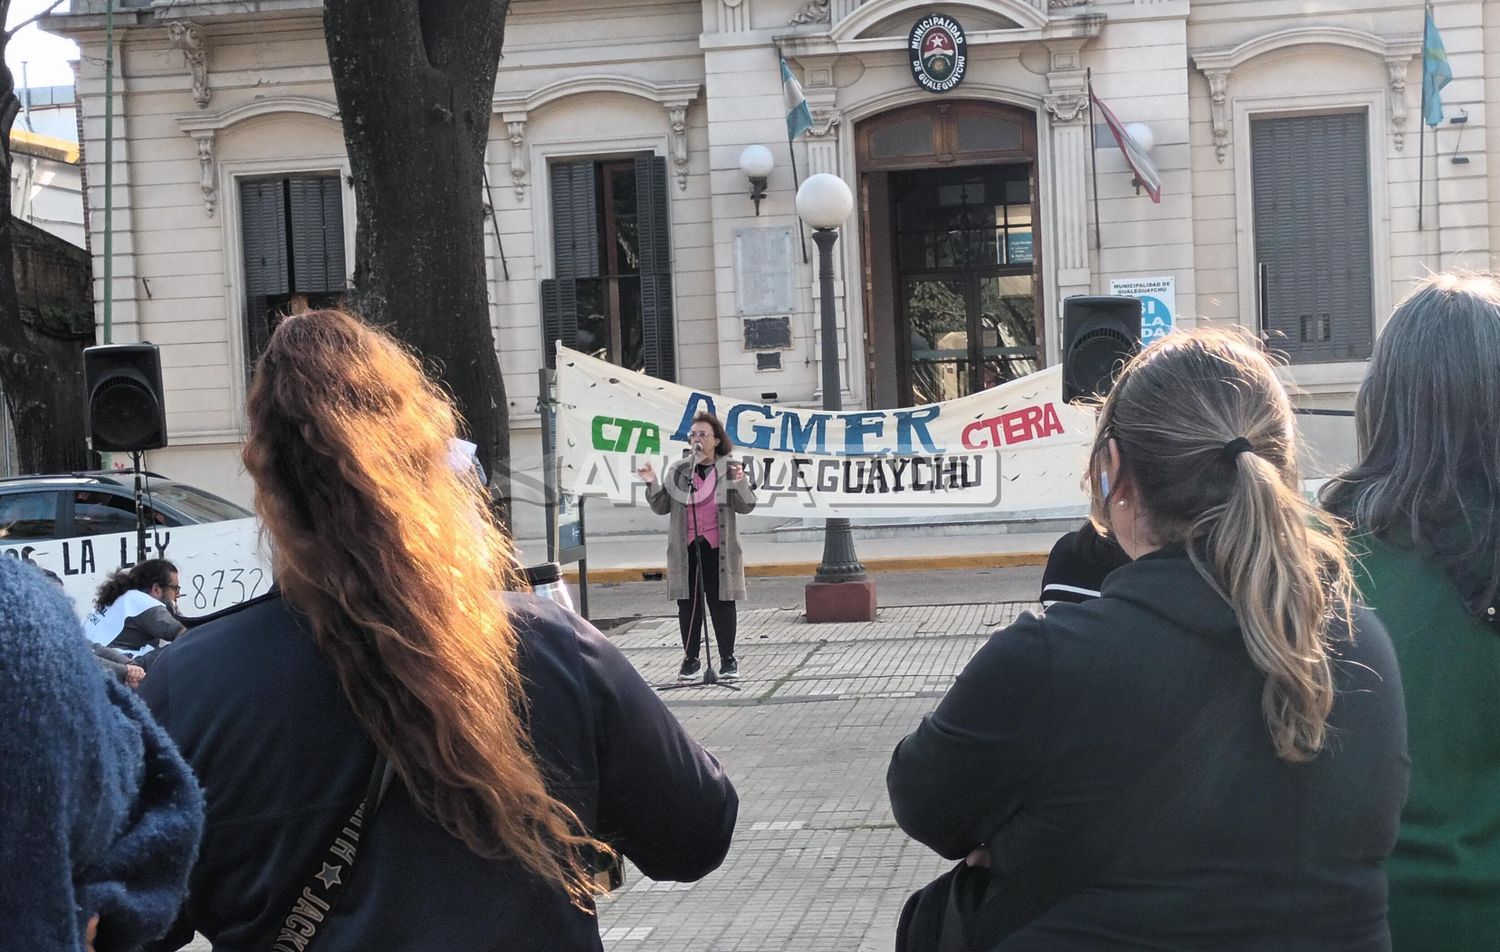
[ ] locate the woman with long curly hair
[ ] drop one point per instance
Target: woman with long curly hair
(1213, 750)
(523, 746)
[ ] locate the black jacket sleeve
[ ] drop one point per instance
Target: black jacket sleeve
(957, 778)
(664, 801)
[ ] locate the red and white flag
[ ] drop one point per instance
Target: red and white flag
(1135, 156)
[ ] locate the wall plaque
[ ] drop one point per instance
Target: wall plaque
(763, 271)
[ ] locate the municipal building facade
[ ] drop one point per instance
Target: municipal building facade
(1287, 136)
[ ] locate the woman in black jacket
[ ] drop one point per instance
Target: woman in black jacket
(1238, 596)
(525, 747)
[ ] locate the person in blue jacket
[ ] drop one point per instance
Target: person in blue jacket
(99, 816)
(525, 750)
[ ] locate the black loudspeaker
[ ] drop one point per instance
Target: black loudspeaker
(126, 409)
(1100, 333)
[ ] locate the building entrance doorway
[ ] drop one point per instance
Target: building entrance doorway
(952, 279)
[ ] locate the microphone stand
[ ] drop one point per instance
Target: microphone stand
(700, 594)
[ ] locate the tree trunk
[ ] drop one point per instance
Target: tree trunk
(42, 378)
(415, 80)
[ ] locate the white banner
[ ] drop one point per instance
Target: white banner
(1012, 448)
(219, 564)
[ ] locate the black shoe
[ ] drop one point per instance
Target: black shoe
(731, 670)
(689, 670)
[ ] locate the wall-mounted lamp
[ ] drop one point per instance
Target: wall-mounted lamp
(756, 162)
(1459, 120)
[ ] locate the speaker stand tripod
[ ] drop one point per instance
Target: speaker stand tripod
(140, 510)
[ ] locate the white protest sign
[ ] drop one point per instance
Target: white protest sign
(219, 564)
(1158, 304)
(1011, 448)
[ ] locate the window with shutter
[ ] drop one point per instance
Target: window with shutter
(611, 296)
(1311, 194)
(292, 232)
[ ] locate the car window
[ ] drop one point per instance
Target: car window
(28, 517)
(196, 504)
(97, 512)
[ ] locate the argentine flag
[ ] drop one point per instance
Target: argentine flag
(798, 116)
(1436, 73)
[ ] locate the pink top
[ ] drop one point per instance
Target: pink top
(702, 516)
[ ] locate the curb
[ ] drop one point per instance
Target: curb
(992, 560)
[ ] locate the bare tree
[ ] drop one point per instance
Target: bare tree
(415, 80)
(41, 375)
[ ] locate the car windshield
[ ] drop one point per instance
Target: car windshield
(197, 504)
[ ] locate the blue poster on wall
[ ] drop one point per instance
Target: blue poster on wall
(1018, 247)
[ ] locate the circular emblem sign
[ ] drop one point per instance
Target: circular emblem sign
(939, 53)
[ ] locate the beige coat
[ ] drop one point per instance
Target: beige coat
(732, 497)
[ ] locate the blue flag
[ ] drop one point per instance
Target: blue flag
(1436, 73)
(798, 116)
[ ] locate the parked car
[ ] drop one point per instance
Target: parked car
(42, 508)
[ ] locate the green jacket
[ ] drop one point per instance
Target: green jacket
(1445, 871)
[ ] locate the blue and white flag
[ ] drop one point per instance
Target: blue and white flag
(798, 116)
(1436, 73)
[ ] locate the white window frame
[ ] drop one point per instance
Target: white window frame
(1326, 377)
(230, 174)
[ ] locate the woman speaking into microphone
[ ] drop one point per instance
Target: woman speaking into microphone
(702, 493)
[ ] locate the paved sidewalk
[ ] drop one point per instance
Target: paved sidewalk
(642, 557)
(817, 861)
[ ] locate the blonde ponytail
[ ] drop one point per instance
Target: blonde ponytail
(1281, 564)
(1204, 434)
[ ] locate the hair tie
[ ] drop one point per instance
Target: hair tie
(1234, 448)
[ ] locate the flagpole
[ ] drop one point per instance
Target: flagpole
(791, 148)
(1422, 122)
(1094, 162)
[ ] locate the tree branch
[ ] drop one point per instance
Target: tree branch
(30, 20)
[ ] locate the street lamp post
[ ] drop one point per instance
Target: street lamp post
(841, 590)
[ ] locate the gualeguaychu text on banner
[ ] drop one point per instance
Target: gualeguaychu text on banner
(1013, 448)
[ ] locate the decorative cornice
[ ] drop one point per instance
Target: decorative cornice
(1217, 65)
(868, 15)
(659, 93)
(674, 98)
(205, 130)
(1233, 57)
(271, 105)
(677, 122)
(1067, 106)
(187, 36)
(516, 130)
(816, 11)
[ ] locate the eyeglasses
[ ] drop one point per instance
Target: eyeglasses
(173, 588)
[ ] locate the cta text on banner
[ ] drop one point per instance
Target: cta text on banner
(1016, 447)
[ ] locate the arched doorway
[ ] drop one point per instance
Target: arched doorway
(951, 246)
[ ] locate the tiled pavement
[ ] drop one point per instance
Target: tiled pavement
(817, 862)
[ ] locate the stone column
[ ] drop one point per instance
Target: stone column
(1067, 107)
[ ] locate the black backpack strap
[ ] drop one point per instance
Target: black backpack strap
(1034, 889)
(300, 926)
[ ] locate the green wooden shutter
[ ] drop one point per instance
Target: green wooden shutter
(263, 237)
(653, 220)
(1311, 185)
(317, 216)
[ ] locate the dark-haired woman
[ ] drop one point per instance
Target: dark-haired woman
(135, 611)
(703, 493)
(524, 746)
(1265, 825)
(1425, 498)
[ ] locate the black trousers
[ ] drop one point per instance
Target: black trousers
(703, 580)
